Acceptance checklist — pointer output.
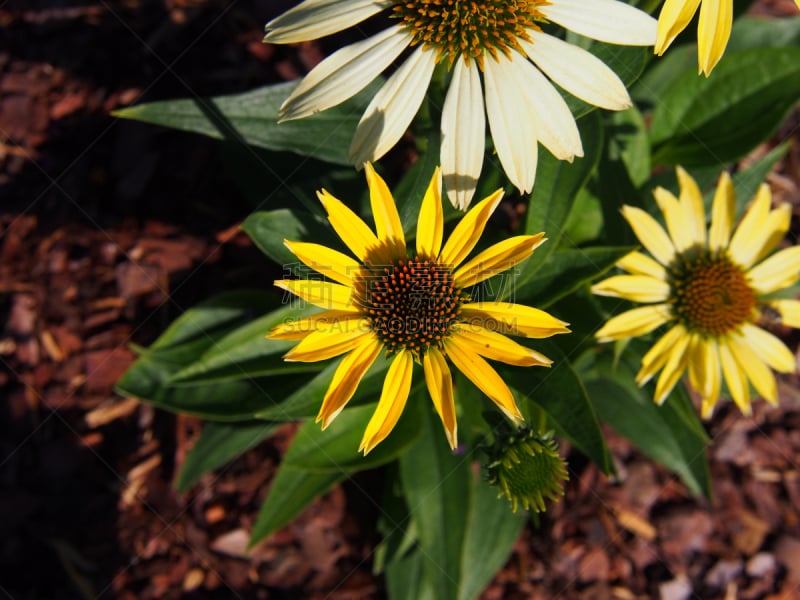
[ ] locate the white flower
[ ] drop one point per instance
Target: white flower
(502, 39)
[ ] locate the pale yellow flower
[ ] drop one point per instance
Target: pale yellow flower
(413, 303)
(713, 288)
(503, 69)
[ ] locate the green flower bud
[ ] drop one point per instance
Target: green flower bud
(527, 468)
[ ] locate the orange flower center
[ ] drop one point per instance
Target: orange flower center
(469, 28)
(412, 304)
(711, 294)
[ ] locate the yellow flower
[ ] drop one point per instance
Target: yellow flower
(414, 305)
(712, 288)
(713, 28)
(503, 69)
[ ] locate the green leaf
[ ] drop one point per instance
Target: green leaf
(613, 187)
(218, 444)
(215, 317)
(252, 118)
(187, 338)
(557, 184)
(585, 220)
(290, 492)
(406, 579)
(704, 121)
(305, 400)
(629, 140)
(316, 460)
(233, 400)
(561, 394)
(746, 181)
(268, 230)
(662, 433)
(661, 75)
(336, 448)
(436, 483)
(760, 32)
(245, 352)
(491, 530)
(398, 534)
(564, 272)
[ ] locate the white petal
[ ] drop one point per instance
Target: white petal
(314, 19)
(579, 72)
(463, 134)
(555, 126)
(513, 130)
(604, 20)
(344, 73)
(389, 114)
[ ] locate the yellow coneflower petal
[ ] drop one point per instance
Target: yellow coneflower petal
(430, 225)
(789, 311)
(497, 258)
(675, 218)
(757, 372)
(392, 402)
(657, 356)
(636, 321)
(691, 201)
(735, 379)
(723, 214)
(710, 376)
(320, 293)
(322, 345)
(299, 328)
(513, 318)
(779, 271)
(347, 377)
(496, 346)
(673, 369)
(650, 234)
(769, 348)
(637, 263)
(485, 378)
(440, 387)
(637, 288)
(748, 239)
(713, 32)
(348, 226)
(332, 264)
(468, 231)
(775, 228)
(384, 211)
(674, 17)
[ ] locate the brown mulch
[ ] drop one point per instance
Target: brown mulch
(110, 229)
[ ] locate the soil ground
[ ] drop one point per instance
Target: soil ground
(110, 229)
